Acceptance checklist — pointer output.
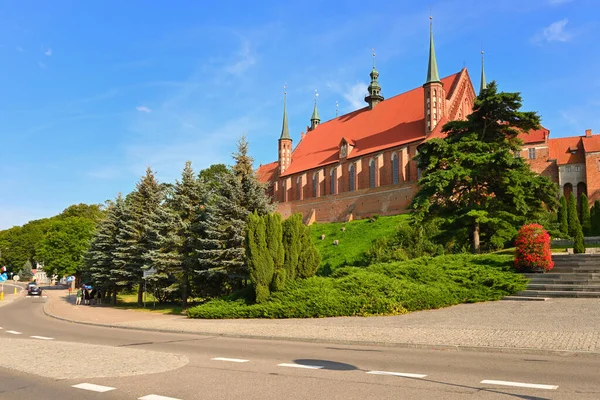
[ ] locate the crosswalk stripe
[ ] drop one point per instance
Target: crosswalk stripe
(156, 397)
(14, 332)
(41, 337)
(93, 388)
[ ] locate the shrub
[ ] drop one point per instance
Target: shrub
(579, 246)
(563, 217)
(260, 262)
(572, 215)
(533, 249)
(586, 221)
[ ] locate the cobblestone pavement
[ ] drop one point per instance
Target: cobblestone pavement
(557, 325)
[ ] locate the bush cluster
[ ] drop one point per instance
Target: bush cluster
(380, 289)
(533, 249)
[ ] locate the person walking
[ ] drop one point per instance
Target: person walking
(78, 297)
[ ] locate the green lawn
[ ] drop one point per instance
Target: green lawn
(380, 289)
(353, 242)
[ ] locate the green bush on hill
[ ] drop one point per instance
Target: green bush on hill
(380, 289)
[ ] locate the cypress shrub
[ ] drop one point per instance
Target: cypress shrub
(292, 230)
(586, 222)
(579, 244)
(260, 263)
(572, 215)
(274, 238)
(310, 258)
(563, 217)
(596, 217)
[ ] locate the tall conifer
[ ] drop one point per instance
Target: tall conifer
(563, 218)
(586, 222)
(572, 215)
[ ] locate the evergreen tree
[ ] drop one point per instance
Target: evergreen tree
(177, 256)
(563, 218)
(26, 272)
(572, 215)
(260, 261)
(274, 239)
(138, 238)
(309, 258)
(586, 222)
(579, 246)
(292, 244)
(596, 218)
(221, 248)
(472, 180)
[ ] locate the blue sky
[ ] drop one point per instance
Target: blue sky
(94, 92)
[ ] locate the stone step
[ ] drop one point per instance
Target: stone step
(524, 298)
(564, 286)
(563, 282)
(558, 293)
(582, 270)
(559, 275)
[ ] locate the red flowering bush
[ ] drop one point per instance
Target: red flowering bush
(533, 249)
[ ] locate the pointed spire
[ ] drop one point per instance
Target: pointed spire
(314, 119)
(432, 69)
(483, 82)
(285, 132)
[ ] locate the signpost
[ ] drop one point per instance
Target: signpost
(3, 278)
(147, 273)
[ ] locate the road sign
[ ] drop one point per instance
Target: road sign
(149, 272)
(70, 279)
(3, 277)
(16, 278)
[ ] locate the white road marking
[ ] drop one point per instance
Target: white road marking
(237, 360)
(13, 332)
(156, 397)
(42, 337)
(300, 366)
(519, 384)
(403, 374)
(93, 388)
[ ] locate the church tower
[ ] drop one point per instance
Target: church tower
(435, 95)
(374, 97)
(285, 141)
(314, 119)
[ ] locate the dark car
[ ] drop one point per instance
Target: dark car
(33, 290)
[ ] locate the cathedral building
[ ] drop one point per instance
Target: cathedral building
(361, 163)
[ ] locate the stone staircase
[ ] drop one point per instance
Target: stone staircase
(573, 275)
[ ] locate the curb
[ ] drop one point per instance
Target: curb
(439, 347)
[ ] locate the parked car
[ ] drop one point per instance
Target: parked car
(33, 290)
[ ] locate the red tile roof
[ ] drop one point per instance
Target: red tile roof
(534, 136)
(393, 122)
(267, 172)
(559, 150)
(591, 143)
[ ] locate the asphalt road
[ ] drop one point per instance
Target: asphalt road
(43, 358)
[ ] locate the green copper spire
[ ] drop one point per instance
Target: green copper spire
(483, 82)
(432, 69)
(285, 132)
(374, 96)
(315, 120)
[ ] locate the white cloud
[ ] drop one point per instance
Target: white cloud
(355, 95)
(555, 32)
(245, 58)
(48, 52)
(143, 109)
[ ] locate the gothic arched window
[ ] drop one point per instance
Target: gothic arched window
(372, 173)
(352, 173)
(395, 169)
(315, 185)
(333, 176)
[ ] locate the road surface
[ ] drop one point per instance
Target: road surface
(44, 358)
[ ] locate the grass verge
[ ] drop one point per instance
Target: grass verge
(129, 302)
(354, 239)
(380, 289)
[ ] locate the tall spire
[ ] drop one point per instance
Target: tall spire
(432, 69)
(314, 119)
(374, 97)
(483, 82)
(285, 132)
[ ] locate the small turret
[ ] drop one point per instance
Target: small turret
(483, 82)
(314, 119)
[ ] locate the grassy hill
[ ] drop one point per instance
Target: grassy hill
(353, 241)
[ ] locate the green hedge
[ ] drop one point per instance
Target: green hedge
(380, 289)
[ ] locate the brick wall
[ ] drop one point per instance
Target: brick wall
(592, 171)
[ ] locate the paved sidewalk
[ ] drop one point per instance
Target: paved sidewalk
(554, 326)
